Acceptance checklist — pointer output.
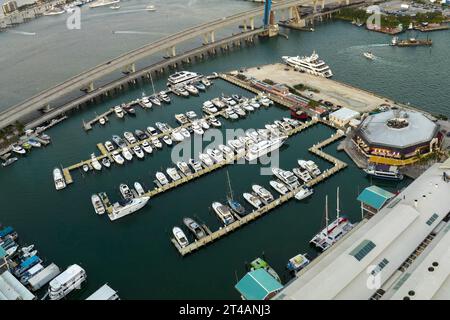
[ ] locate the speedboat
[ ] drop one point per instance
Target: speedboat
(109, 146)
(129, 137)
(229, 112)
(185, 132)
(139, 189)
(85, 167)
(226, 151)
(195, 228)
(304, 193)
(223, 212)
(119, 112)
(95, 163)
(173, 174)
(167, 140)
(18, 149)
(215, 122)
(229, 101)
(197, 128)
(27, 249)
(279, 186)
(125, 191)
(239, 111)
(215, 154)
(302, 174)
(130, 206)
(218, 103)
(181, 118)
(191, 115)
(369, 55)
(117, 157)
(191, 89)
(161, 178)
(255, 104)
(263, 193)
(200, 86)
(34, 143)
(140, 134)
(204, 124)
(298, 262)
(147, 103)
(184, 168)
(127, 154)
(106, 162)
(138, 152)
(180, 237)
(163, 127)
(206, 159)
(58, 178)
(183, 92)
(195, 165)
(119, 141)
(164, 97)
(247, 107)
(154, 100)
(206, 82)
(152, 131)
(253, 200)
(147, 147)
(9, 161)
(209, 107)
(155, 141)
(177, 136)
(97, 204)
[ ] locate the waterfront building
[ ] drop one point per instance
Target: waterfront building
(343, 116)
(258, 285)
(397, 134)
(12, 289)
(105, 292)
(3, 261)
(372, 199)
(376, 259)
(9, 7)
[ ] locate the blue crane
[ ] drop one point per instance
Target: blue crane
(267, 7)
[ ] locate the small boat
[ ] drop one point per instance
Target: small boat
(265, 101)
(204, 124)
(125, 191)
(206, 82)
(115, 7)
(167, 140)
(181, 118)
(279, 187)
(60, 182)
(239, 111)
(184, 168)
(139, 189)
(253, 200)
(161, 178)
(119, 112)
(127, 154)
(173, 174)
(106, 162)
(95, 163)
(119, 141)
(34, 143)
(223, 212)
(102, 121)
(177, 135)
(27, 146)
(147, 103)
(206, 159)
(237, 146)
(304, 192)
(164, 97)
(18, 149)
(231, 114)
(30, 254)
(229, 101)
(154, 99)
(117, 157)
(97, 204)
(191, 115)
(138, 152)
(9, 161)
(45, 137)
(109, 146)
(263, 193)
(259, 263)
(195, 165)
(9, 252)
(215, 154)
(147, 147)
(191, 89)
(180, 237)
(152, 131)
(215, 122)
(195, 228)
(129, 137)
(247, 107)
(185, 133)
(218, 103)
(200, 86)
(369, 55)
(140, 134)
(197, 128)
(183, 92)
(298, 262)
(156, 143)
(150, 8)
(85, 168)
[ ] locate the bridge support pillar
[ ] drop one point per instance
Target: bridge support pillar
(322, 5)
(89, 88)
(205, 39)
(244, 25)
(347, 2)
(252, 23)
(213, 37)
(130, 68)
(173, 51)
(314, 6)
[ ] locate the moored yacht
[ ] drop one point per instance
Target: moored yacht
(117, 157)
(184, 168)
(167, 140)
(287, 177)
(195, 228)
(385, 172)
(182, 77)
(127, 207)
(195, 165)
(125, 191)
(97, 203)
(263, 147)
(263, 193)
(298, 262)
(215, 154)
(206, 159)
(223, 212)
(180, 237)
(279, 186)
(95, 163)
(253, 200)
(304, 193)
(58, 178)
(66, 282)
(161, 178)
(312, 65)
(173, 174)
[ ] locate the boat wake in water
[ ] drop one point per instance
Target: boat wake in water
(115, 12)
(131, 32)
(24, 33)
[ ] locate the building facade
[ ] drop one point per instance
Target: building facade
(9, 7)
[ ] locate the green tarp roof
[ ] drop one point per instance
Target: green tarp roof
(375, 197)
(257, 284)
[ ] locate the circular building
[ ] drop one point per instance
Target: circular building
(398, 134)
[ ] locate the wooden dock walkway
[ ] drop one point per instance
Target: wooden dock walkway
(88, 125)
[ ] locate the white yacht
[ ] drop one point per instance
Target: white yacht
(309, 64)
(152, 131)
(369, 55)
(97, 204)
(286, 177)
(310, 166)
(139, 189)
(215, 154)
(215, 122)
(182, 77)
(66, 282)
(18, 149)
(167, 140)
(173, 174)
(127, 154)
(156, 142)
(195, 165)
(206, 159)
(129, 137)
(204, 124)
(197, 128)
(177, 135)
(103, 3)
(117, 157)
(185, 132)
(147, 147)
(184, 168)
(180, 237)
(263, 193)
(161, 178)
(253, 200)
(231, 114)
(122, 209)
(263, 147)
(302, 174)
(237, 146)
(125, 191)
(60, 183)
(223, 212)
(227, 152)
(279, 186)
(95, 163)
(304, 193)
(119, 112)
(109, 146)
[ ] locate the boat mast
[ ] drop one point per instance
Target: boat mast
(229, 186)
(337, 204)
(153, 86)
(326, 212)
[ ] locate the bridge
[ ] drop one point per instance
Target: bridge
(126, 62)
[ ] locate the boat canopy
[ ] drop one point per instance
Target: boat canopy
(6, 231)
(29, 262)
(258, 285)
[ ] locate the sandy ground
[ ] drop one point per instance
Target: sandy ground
(330, 90)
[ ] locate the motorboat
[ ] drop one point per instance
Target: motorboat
(259, 263)
(210, 106)
(215, 122)
(97, 203)
(147, 147)
(227, 152)
(218, 103)
(180, 237)
(117, 157)
(147, 103)
(229, 101)
(177, 135)
(215, 154)
(254, 103)
(163, 127)
(369, 55)
(247, 107)
(263, 193)
(60, 182)
(129, 137)
(206, 82)
(253, 200)
(302, 174)
(120, 210)
(167, 140)
(304, 193)
(119, 141)
(85, 168)
(109, 146)
(34, 143)
(191, 115)
(106, 163)
(152, 131)
(206, 159)
(185, 133)
(279, 187)
(154, 99)
(184, 168)
(127, 154)
(161, 178)
(27, 146)
(191, 89)
(239, 111)
(195, 165)
(139, 189)
(119, 112)
(265, 101)
(125, 191)
(181, 119)
(231, 114)
(195, 228)
(298, 262)
(263, 147)
(103, 3)
(150, 8)
(164, 97)
(287, 177)
(183, 92)
(18, 149)
(309, 165)
(141, 135)
(95, 163)
(197, 128)
(138, 152)
(9, 161)
(204, 124)
(200, 86)
(102, 121)
(223, 212)
(237, 146)
(155, 141)
(173, 174)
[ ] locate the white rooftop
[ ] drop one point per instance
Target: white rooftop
(345, 114)
(386, 241)
(12, 289)
(105, 292)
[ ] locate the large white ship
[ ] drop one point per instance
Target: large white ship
(102, 3)
(66, 282)
(263, 147)
(120, 210)
(182, 77)
(309, 64)
(60, 183)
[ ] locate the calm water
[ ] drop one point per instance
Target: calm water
(134, 255)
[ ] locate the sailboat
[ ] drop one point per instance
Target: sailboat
(333, 231)
(234, 205)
